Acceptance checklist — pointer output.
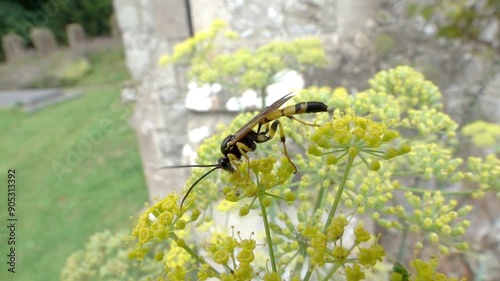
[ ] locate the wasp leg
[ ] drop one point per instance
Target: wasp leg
(243, 148)
(264, 133)
(263, 137)
(303, 122)
(234, 161)
(288, 116)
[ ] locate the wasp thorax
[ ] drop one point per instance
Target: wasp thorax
(223, 146)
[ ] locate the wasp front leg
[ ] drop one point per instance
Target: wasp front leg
(244, 149)
(234, 161)
(263, 137)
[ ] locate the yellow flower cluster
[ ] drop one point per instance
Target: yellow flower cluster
(157, 221)
(483, 134)
(161, 224)
(423, 271)
(401, 95)
(350, 129)
(263, 177)
(439, 218)
(433, 160)
(197, 45)
(243, 68)
(317, 244)
(485, 172)
(336, 229)
(177, 273)
(354, 273)
(370, 190)
(429, 121)
(351, 135)
(105, 257)
(326, 246)
(379, 104)
(226, 251)
(408, 86)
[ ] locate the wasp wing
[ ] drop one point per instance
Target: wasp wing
(257, 118)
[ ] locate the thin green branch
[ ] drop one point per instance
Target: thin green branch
(338, 196)
(402, 245)
(268, 235)
(333, 209)
(420, 190)
(192, 253)
(332, 271)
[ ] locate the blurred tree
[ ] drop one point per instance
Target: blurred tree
(19, 16)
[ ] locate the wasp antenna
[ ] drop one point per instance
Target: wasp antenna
(185, 166)
(197, 181)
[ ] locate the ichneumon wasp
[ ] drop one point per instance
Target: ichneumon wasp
(245, 140)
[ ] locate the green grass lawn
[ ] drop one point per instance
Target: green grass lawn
(68, 185)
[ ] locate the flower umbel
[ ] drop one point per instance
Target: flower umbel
(356, 135)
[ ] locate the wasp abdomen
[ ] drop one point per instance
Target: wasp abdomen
(311, 107)
(299, 108)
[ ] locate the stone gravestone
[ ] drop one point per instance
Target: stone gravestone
(13, 46)
(43, 39)
(115, 29)
(76, 35)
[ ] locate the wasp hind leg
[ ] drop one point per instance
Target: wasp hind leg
(303, 122)
(263, 137)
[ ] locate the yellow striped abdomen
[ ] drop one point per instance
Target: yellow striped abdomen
(299, 108)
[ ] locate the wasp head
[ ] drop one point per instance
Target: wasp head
(225, 164)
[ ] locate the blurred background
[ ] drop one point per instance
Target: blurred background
(88, 111)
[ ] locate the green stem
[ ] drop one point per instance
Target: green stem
(420, 190)
(333, 209)
(402, 244)
(273, 196)
(338, 196)
(268, 235)
(291, 259)
(339, 263)
(309, 273)
(192, 252)
(332, 271)
(299, 266)
(335, 151)
(319, 198)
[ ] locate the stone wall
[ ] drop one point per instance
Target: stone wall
(148, 30)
